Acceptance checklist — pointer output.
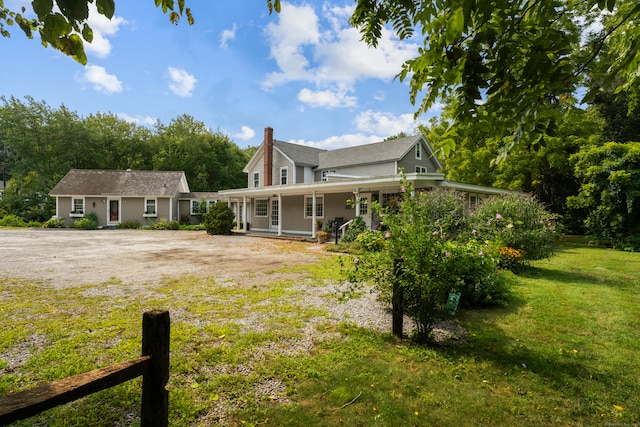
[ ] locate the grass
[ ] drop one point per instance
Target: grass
(562, 353)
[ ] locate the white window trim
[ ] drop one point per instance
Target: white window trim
(150, 215)
(318, 196)
(191, 203)
(73, 214)
(254, 180)
(286, 169)
(418, 150)
(255, 212)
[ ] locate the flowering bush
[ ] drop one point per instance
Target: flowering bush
(424, 250)
(519, 222)
(511, 259)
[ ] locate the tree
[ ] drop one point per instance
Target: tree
(610, 192)
(505, 63)
(543, 169)
(62, 24)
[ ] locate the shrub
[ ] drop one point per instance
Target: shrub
(425, 253)
(165, 224)
(131, 225)
(57, 222)
(12, 221)
(219, 219)
(356, 227)
(88, 222)
(519, 222)
(371, 241)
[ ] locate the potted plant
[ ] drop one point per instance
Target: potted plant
(318, 224)
(322, 236)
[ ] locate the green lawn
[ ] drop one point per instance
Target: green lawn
(563, 353)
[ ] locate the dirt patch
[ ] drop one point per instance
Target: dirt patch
(66, 258)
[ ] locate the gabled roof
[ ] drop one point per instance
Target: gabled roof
(378, 152)
(90, 182)
(301, 155)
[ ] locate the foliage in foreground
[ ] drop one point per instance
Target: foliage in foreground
(541, 361)
(432, 246)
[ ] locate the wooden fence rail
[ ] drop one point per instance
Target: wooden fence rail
(153, 366)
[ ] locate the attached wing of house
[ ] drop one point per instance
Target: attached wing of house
(117, 196)
(296, 190)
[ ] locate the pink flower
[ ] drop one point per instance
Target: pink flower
(474, 232)
(447, 253)
(498, 216)
(403, 189)
(435, 233)
(481, 253)
(387, 235)
(356, 260)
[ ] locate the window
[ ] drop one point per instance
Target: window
(325, 174)
(262, 207)
(150, 207)
(283, 175)
(77, 206)
(418, 151)
(256, 179)
(210, 204)
(421, 169)
(308, 208)
(195, 207)
(473, 201)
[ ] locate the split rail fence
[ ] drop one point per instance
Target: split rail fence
(153, 366)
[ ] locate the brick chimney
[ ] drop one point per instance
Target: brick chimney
(268, 156)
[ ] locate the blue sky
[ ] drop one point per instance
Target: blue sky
(303, 72)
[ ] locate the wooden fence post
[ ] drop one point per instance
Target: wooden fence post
(155, 342)
(397, 313)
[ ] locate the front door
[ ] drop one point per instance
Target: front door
(275, 214)
(114, 210)
(365, 208)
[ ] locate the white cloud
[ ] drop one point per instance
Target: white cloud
(245, 133)
(227, 35)
(328, 52)
(101, 80)
(182, 83)
(387, 124)
(140, 120)
(102, 28)
(326, 98)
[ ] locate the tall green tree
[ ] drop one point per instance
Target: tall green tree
(610, 192)
(504, 62)
(544, 169)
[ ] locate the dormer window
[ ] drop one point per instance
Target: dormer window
(418, 151)
(256, 179)
(284, 172)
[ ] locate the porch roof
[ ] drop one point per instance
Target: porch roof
(391, 182)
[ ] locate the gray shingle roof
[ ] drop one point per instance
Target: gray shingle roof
(89, 182)
(301, 155)
(377, 152)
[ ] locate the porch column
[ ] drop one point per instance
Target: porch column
(237, 212)
(244, 213)
(279, 214)
(357, 193)
(170, 208)
(313, 215)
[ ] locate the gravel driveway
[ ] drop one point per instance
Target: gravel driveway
(65, 257)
